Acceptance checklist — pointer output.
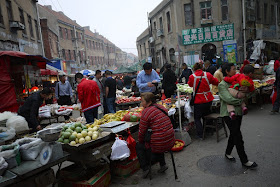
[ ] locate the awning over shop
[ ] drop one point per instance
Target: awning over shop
(48, 72)
(59, 72)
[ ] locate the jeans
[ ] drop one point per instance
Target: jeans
(105, 106)
(201, 110)
(145, 157)
(91, 114)
(276, 104)
(111, 105)
(235, 138)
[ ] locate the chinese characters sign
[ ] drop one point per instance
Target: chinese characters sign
(208, 34)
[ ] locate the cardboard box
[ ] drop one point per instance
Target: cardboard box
(125, 168)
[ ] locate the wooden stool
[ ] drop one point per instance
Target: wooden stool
(218, 122)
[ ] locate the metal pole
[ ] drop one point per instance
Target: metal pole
(244, 28)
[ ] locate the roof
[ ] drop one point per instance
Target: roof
(143, 34)
(159, 8)
(61, 16)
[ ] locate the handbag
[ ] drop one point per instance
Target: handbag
(148, 135)
(194, 94)
(171, 118)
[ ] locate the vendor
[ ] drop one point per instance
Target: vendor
(147, 79)
(134, 88)
(30, 108)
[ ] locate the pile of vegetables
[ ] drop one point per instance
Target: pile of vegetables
(185, 88)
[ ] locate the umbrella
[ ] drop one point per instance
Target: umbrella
(87, 72)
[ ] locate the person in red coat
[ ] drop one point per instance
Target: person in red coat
(246, 62)
(162, 137)
(203, 99)
(89, 96)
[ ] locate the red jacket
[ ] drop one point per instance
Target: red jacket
(204, 94)
(276, 65)
(89, 94)
(162, 138)
(236, 79)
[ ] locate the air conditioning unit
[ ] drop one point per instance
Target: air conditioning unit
(17, 25)
(151, 39)
(159, 33)
(206, 21)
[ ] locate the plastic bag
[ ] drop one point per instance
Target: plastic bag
(18, 123)
(120, 150)
(64, 112)
(44, 112)
(7, 134)
(30, 147)
(273, 96)
(131, 143)
(11, 154)
(188, 110)
(3, 165)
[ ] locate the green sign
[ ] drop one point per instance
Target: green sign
(208, 34)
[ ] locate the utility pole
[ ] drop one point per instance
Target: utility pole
(244, 28)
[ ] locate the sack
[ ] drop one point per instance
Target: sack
(6, 134)
(18, 123)
(11, 155)
(131, 143)
(120, 150)
(44, 112)
(30, 147)
(3, 165)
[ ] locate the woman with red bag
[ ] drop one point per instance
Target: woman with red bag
(156, 134)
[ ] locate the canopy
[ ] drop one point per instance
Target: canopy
(138, 66)
(87, 72)
(123, 69)
(53, 69)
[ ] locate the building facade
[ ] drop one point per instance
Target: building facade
(19, 27)
(187, 30)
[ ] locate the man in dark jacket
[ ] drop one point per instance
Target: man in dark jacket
(169, 81)
(127, 81)
(185, 73)
(30, 108)
(208, 67)
(276, 104)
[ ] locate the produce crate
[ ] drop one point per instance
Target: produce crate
(70, 175)
(125, 168)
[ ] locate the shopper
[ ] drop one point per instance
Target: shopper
(103, 80)
(218, 75)
(97, 79)
(89, 96)
(134, 88)
(127, 81)
(234, 125)
(203, 98)
(162, 134)
(63, 91)
(111, 87)
(208, 67)
(147, 79)
(276, 104)
(185, 73)
(30, 109)
(245, 62)
(169, 81)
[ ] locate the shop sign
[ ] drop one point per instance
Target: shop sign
(208, 34)
(230, 51)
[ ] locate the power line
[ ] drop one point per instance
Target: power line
(60, 6)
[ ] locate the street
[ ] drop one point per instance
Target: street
(261, 136)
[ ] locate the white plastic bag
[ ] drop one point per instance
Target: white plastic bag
(30, 147)
(64, 112)
(18, 123)
(6, 133)
(188, 110)
(120, 151)
(171, 111)
(44, 112)
(3, 165)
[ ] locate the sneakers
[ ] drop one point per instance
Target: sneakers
(232, 115)
(245, 110)
(162, 169)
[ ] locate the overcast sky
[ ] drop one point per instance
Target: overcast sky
(121, 21)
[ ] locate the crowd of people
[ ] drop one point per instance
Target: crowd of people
(156, 134)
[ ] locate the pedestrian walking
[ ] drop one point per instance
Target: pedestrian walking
(111, 87)
(203, 99)
(234, 125)
(89, 96)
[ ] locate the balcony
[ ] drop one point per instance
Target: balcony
(17, 25)
(206, 21)
(160, 33)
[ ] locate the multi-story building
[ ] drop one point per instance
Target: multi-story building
(19, 27)
(188, 30)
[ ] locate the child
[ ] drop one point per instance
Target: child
(241, 85)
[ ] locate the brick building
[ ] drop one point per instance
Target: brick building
(19, 27)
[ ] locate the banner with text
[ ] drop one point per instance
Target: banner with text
(208, 34)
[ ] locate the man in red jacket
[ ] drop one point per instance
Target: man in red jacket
(89, 96)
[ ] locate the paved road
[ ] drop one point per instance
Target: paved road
(262, 144)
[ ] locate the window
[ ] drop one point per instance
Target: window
(258, 10)
(74, 54)
(93, 45)
(77, 35)
(272, 14)
(89, 44)
(60, 32)
(160, 24)
(72, 34)
(81, 36)
(37, 30)
(265, 11)
(224, 10)
(21, 17)
(30, 26)
(69, 54)
(168, 21)
(188, 14)
(1, 17)
(63, 54)
(155, 25)
(9, 10)
(205, 10)
(66, 33)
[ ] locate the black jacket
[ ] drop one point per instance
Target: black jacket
(211, 69)
(185, 73)
(30, 109)
(169, 80)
